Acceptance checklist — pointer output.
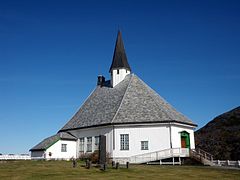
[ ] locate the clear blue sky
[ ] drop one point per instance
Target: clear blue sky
(52, 51)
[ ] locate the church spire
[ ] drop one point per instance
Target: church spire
(119, 56)
(120, 67)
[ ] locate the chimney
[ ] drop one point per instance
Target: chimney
(100, 80)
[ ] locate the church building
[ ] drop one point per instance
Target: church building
(139, 125)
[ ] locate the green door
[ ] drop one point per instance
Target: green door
(185, 140)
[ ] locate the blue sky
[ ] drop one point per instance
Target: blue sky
(52, 51)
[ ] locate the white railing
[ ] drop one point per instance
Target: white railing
(227, 163)
(55, 159)
(202, 156)
(159, 155)
(15, 157)
(38, 158)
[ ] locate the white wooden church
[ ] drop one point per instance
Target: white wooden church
(139, 125)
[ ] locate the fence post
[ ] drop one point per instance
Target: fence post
(113, 163)
(228, 163)
(127, 165)
(117, 165)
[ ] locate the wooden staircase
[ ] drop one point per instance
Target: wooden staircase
(202, 156)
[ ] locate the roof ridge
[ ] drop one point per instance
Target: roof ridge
(122, 98)
(69, 133)
(61, 130)
(149, 88)
(168, 104)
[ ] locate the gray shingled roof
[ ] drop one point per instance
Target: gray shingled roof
(119, 56)
(131, 101)
(46, 143)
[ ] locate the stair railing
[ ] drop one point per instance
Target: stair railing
(201, 156)
(158, 155)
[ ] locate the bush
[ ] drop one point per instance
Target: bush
(94, 157)
(90, 156)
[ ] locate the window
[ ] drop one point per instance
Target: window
(64, 148)
(124, 141)
(126, 71)
(81, 148)
(118, 71)
(96, 145)
(144, 145)
(89, 144)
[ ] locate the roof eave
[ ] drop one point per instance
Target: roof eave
(130, 123)
(37, 150)
(68, 139)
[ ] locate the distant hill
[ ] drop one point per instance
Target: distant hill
(221, 136)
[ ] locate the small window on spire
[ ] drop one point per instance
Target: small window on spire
(118, 71)
(126, 71)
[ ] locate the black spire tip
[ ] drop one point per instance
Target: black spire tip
(119, 56)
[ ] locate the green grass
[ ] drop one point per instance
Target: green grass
(63, 170)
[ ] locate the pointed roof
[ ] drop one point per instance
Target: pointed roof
(130, 102)
(119, 56)
(46, 143)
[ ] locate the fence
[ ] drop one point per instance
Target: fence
(227, 163)
(15, 157)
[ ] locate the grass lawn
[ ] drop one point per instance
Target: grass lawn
(63, 170)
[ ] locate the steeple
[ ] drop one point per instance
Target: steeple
(120, 67)
(119, 56)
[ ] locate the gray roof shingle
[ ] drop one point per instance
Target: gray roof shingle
(142, 104)
(46, 143)
(131, 101)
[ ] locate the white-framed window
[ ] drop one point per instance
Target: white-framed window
(64, 148)
(89, 144)
(124, 141)
(117, 71)
(81, 144)
(144, 145)
(96, 144)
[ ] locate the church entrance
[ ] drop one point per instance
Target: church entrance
(185, 140)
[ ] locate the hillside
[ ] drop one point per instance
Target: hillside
(221, 136)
